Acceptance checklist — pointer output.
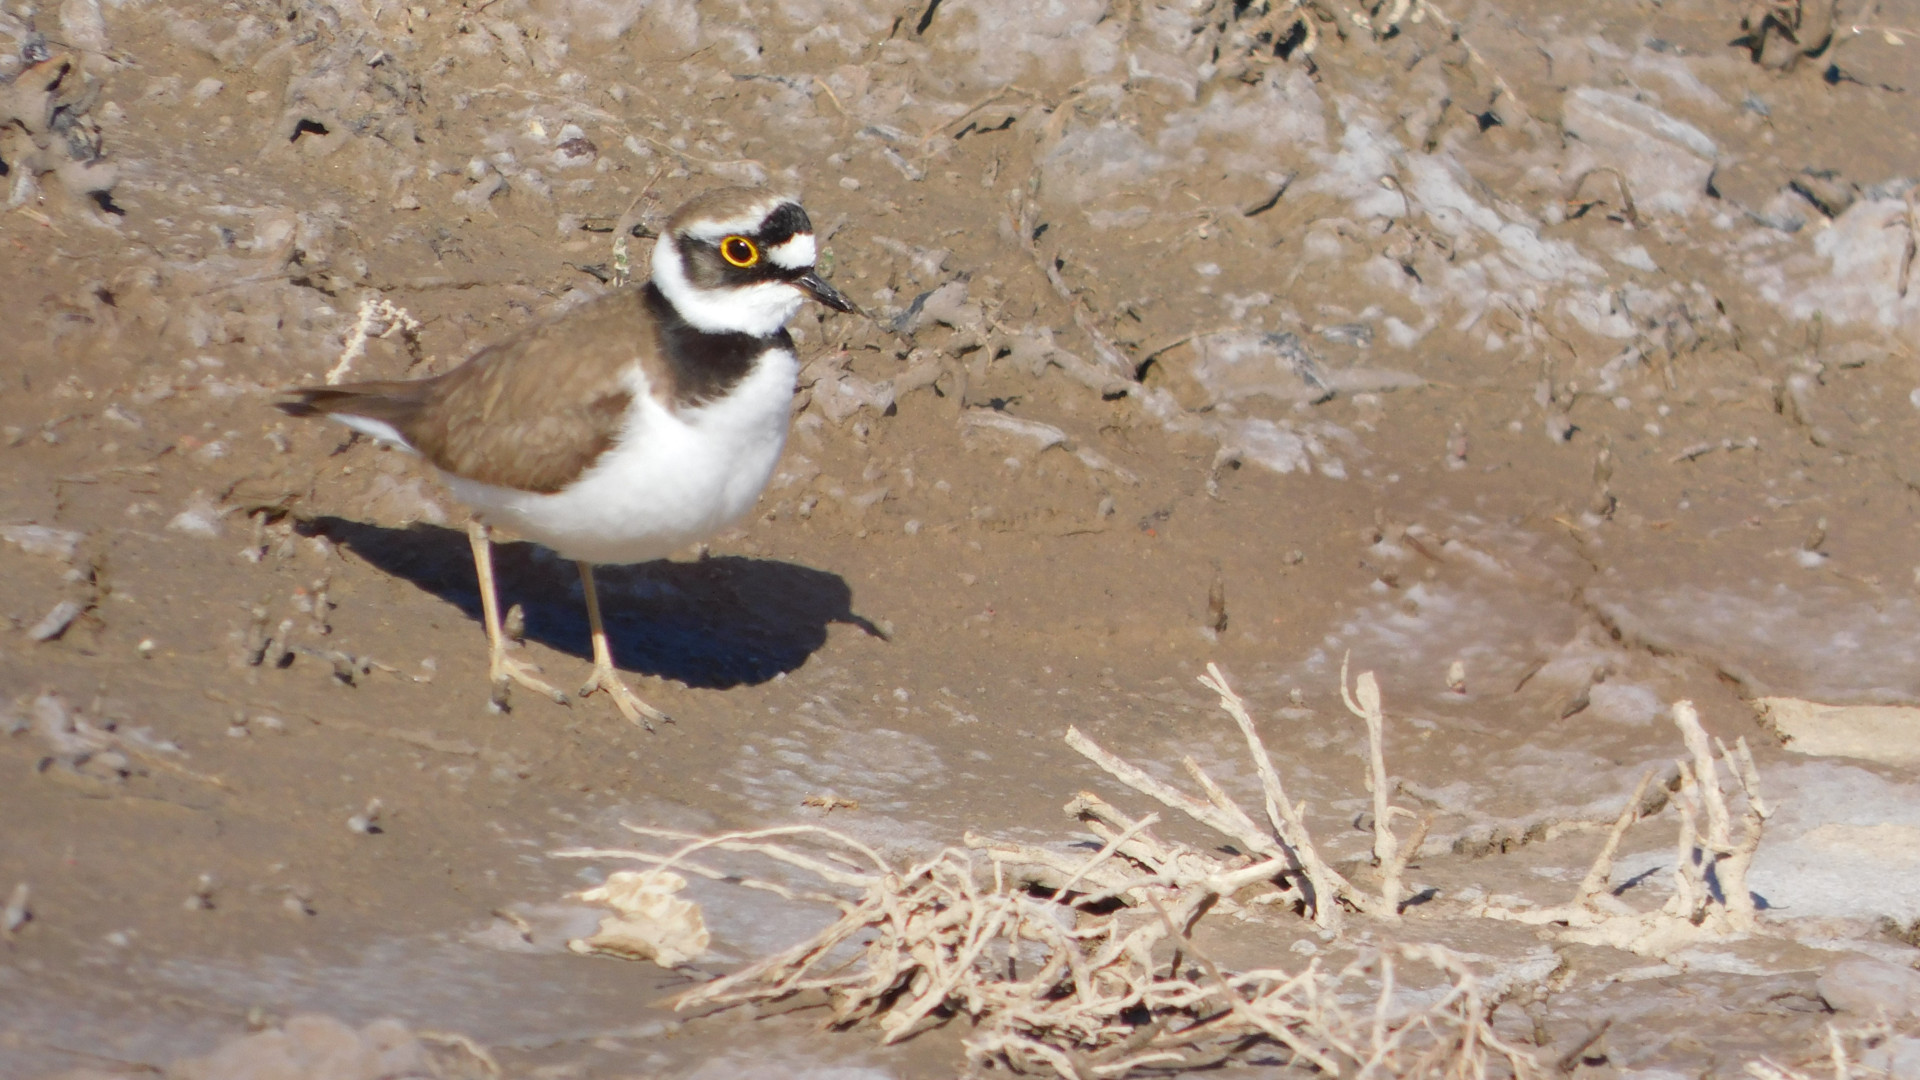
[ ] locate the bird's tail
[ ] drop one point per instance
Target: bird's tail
(390, 401)
(384, 410)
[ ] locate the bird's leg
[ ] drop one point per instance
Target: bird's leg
(604, 678)
(502, 670)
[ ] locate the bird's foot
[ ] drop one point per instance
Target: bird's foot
(505, 671)
(605, 680)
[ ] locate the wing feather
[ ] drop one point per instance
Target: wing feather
(531, 412)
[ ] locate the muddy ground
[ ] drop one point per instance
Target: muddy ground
(1567, 341)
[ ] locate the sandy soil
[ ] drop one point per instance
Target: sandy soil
(1563, 340)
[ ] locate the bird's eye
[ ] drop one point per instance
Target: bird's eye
(739, 251)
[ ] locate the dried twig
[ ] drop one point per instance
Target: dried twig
(1602, 868)
(374, 312)
(1364, 702)
(1288, 821)
(1909, 219)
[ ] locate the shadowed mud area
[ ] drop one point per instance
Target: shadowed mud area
(1553, 361)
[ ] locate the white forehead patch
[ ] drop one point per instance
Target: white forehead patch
(796, 254)
(747, 221)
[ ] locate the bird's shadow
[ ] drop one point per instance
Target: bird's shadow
(712, 623)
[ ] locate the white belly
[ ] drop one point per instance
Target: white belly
(672, 480)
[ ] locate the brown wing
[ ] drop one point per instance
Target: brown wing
(531, 412)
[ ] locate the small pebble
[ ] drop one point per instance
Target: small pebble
(367, 823)
(55, 622)
(40, 540)
(202, 897)
(17, 913)
(198, 519)
(1870, 988)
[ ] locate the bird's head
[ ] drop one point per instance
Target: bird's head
(740, 260)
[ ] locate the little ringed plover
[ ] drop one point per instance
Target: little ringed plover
(627, 428)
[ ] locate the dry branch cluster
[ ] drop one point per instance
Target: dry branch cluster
(1051, 985)
(1282, 29)
(1085, 965)
(1778, 33)
(1280, 851)
(1710, 897)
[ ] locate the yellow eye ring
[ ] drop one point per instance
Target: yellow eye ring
(739, 252)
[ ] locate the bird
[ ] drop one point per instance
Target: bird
(626, 428)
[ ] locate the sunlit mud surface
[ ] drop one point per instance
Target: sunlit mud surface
(1554, 362)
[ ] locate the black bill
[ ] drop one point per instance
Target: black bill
(817, 287)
